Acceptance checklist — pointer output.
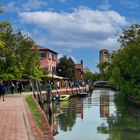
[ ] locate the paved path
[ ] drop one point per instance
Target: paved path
(14, 122)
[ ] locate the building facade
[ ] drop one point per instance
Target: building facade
(104, 55)
(48, 59)
(79, 71)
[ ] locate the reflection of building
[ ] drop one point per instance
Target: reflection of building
(104, 55)
(79, 70)
(48, 59)
(79, 108)
(104, 105)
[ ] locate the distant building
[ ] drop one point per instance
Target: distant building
(104, 55)
(48, 59)
(79, 71)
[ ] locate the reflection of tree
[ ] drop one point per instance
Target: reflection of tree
(103, 129)
(122, 125)
(67, 119)
(64, 113)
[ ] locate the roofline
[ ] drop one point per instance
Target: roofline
(44, 49)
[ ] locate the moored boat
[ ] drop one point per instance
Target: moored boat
(64, 97)
(83, 94)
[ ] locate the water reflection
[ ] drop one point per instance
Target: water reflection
(95, 117)
(64, 114)
(125, 124)
(104, 105)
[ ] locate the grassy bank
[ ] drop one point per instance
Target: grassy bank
(35, 111)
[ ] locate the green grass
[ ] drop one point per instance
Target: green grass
(35, 111)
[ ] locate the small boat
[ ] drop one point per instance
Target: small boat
(83, 94)
(64, 97)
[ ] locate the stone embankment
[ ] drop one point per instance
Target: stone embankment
(70, 91)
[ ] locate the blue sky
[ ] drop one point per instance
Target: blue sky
(76, 28)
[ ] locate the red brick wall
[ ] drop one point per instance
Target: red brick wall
(78, 74)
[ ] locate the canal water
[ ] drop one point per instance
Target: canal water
(97, 117)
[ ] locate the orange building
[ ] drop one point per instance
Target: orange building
(48, 59)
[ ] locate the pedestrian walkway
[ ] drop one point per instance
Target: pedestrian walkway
(14, 122)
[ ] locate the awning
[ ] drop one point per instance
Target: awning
(56, 77)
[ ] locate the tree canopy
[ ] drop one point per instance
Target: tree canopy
(105, 70)
(88, 75)
(18, 58)
(126, 62)
(1, 42)
(66, 67)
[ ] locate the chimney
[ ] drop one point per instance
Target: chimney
(81, 62)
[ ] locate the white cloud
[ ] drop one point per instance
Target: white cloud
(82, 28)
(72, 57)
(29, 5)
(59, 56)
(33, 4)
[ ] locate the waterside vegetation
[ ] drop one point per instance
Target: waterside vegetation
(125, 64)
(123, 69)
(36, 114)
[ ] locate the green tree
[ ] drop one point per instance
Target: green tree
(126, 62)
(88, 75)
(105, 70)
(18, 58)
(1, 42)
(66, 67)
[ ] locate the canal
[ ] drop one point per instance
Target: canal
(97, 117)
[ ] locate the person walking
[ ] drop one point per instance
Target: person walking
(19, 87)
(12, 87)
(2, 90)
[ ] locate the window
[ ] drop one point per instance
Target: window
(54, 57)
(49, 56)
(42, 55)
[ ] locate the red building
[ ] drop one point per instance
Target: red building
(79, 71)
(48, 59)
